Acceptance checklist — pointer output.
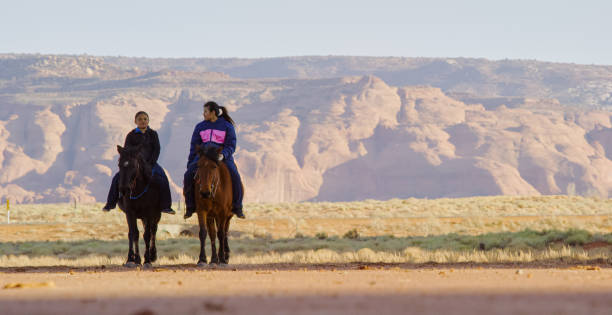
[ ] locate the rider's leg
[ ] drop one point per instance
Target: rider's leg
(188, 191)
(113, 194)
(164, 186)
(236, 189)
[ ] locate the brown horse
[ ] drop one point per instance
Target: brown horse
(213, 193)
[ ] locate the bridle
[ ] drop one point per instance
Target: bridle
(133, 181)
(214, 184)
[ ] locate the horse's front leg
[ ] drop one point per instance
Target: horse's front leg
(202, 234)
(220, 220)
(212, 231)
(146, 223)
(153, 249)
(133, 255)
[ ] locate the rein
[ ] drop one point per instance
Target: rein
(133, 184)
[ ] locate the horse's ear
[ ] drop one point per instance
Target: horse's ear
(219, 150)
(119, 149)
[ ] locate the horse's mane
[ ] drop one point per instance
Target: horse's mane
(210, 151)
(132, 151)
(136, 151)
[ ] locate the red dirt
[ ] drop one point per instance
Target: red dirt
(307, 289)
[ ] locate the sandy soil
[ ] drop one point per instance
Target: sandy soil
(322, 289)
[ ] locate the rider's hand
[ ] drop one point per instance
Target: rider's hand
(220, 157)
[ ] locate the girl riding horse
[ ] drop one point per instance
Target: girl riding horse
(147, 139)
(217, 128)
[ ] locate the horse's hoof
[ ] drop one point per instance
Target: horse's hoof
(202, 264)
(147, 266)
(130, 264)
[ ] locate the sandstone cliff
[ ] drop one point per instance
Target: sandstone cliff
(337, 138)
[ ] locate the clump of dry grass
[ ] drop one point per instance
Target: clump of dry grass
(414, 255)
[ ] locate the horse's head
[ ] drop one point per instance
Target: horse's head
(207, 177)
(131, 167)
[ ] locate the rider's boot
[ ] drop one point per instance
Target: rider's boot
(189, 204)
(168, 211)
(238, 212)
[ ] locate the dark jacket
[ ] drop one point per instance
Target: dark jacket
(220, 132)
(149, 140)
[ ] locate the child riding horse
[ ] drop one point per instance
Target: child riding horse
(217, 128)
(148, 141)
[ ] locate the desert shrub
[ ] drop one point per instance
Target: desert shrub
(577, 237)
(351, 234)
(321, 235)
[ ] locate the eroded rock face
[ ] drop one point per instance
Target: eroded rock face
(347, 138)
(472, 151)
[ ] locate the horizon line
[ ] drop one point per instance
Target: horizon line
(298, 56)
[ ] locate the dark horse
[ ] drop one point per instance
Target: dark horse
(140, 200)
(213, 190)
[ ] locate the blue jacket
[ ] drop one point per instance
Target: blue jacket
(220, 132)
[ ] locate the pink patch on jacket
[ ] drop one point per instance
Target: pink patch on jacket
(205, 135)
(218, 136)
(213, 135)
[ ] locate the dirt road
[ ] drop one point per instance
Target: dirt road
(325, 289)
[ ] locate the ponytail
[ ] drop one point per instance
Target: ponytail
(225, 115)
(220, 111)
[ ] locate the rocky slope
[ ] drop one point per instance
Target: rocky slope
(327, 130)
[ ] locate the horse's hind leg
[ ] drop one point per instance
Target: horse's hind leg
(212, 233)
(133, 255)
(202, 234)
(226, 242)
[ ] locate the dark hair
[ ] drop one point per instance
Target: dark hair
(212, 106)
(140, 113)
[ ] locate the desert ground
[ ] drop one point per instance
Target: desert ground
(307, 289)
(493, 255)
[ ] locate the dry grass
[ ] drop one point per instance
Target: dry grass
(397, 217)
(409, 255)
(411, 230)
(524, 246)
(482, 207)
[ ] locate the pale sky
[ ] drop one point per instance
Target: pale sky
(561, 30)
